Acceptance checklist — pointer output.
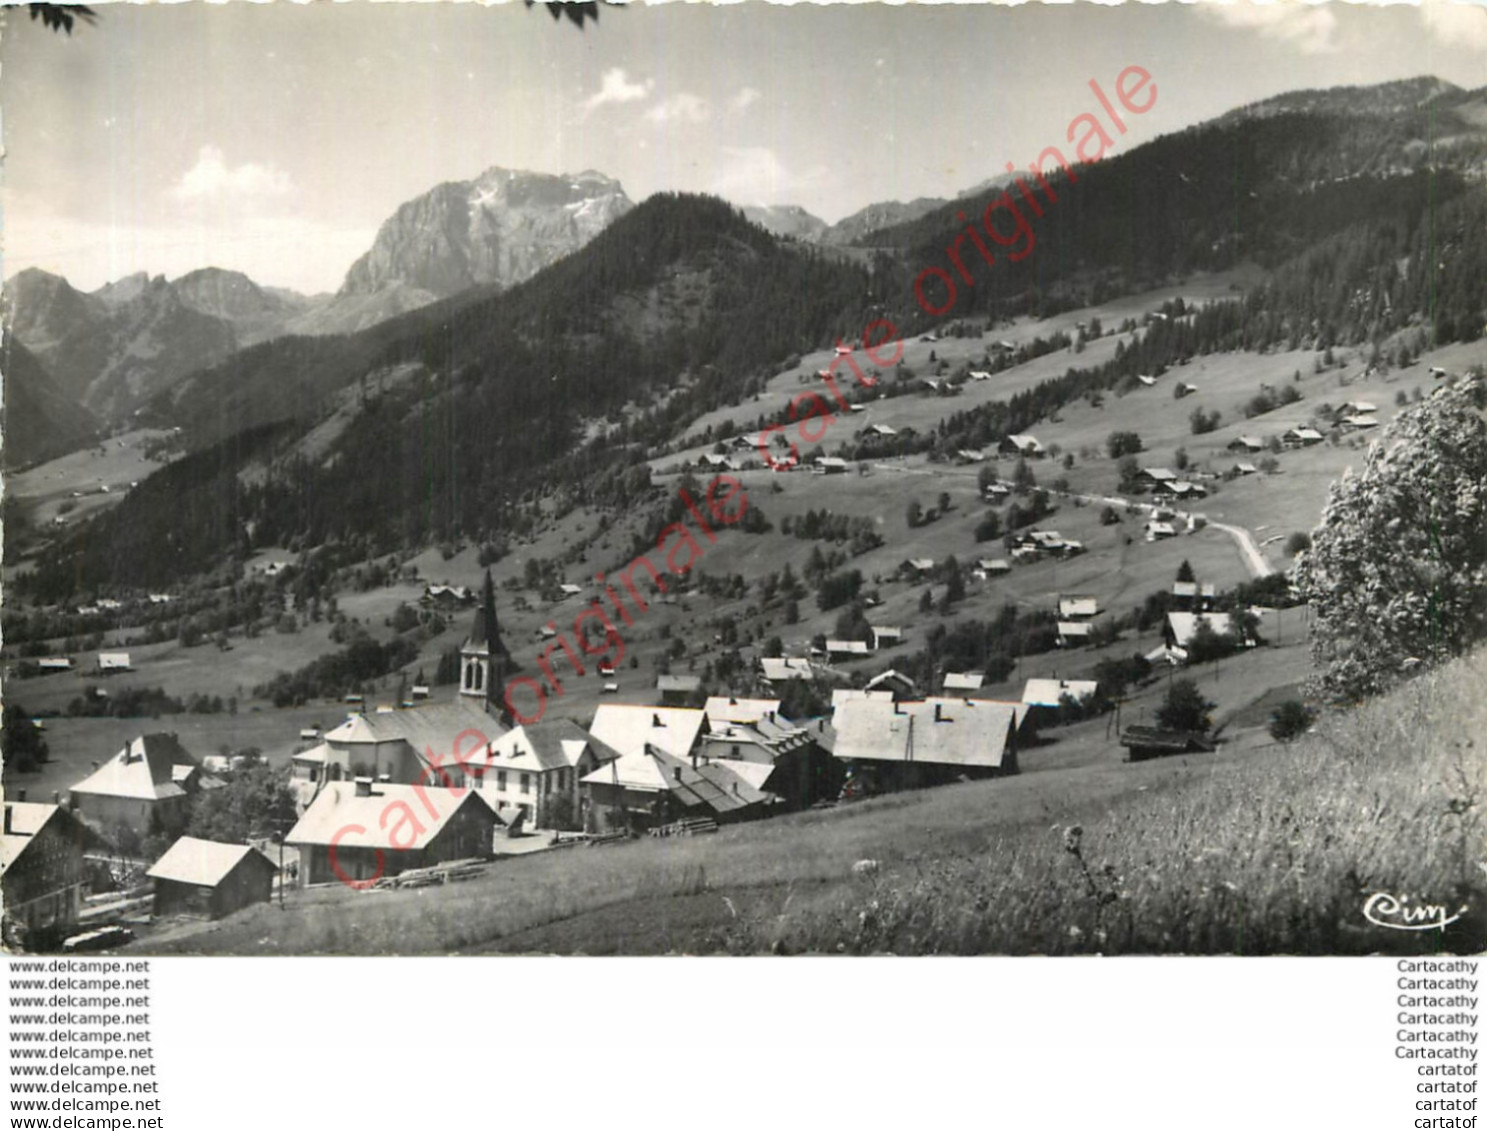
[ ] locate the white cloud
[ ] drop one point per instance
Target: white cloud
(756, 175)
(1309, 27)
(211, 179)
(615, 86)
(744, 99)
(1456, 24)
(679, 108)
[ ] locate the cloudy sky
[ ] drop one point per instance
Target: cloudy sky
(275, 138)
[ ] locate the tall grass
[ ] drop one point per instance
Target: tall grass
(1259, 852)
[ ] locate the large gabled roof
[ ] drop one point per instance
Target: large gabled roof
(1048, 692)
(392, 817)
(629, 728)
(144, 770)
(721, 786)
(946, 732)
(548, 744)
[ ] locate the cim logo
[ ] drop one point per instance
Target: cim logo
(1400, 913)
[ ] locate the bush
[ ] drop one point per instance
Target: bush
(1290, 720)
(1297, 543)
(1122, 444)
(1397, 572)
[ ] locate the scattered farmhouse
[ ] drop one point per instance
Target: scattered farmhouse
(1021, 445)
(895, 682)
(1300, 437)
(991, 567)
(111, 662)
(54, 663)
(41, 871)
(1046, 695)
(724, 709)
(1078, 607)
(359, 831)
(1180, 628)
(207, 879)
(846, 649)
(1190, 596)
(782, 669)
(840, 695)
(1072, 633)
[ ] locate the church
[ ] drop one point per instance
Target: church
(424, 744)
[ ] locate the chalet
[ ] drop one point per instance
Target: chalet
(840, 695)
(1191, 596)
(1300, 437)
(1004, 346)
(629, 729)
(1156, 530)
(992, 567)
(143, 787)
(273, 569)
(420, 691)
(895, 682)
(846, 649)
(160, 598)
(996, 491)
(570, 590)
(54, 663)
(1078, 607)
(1021, 445)
(359, 831)
(1027, 552)
(885, 636)
(532, 767)
(1180, 489)
(883, 430)
(970, 455)
(724, 709)
(1145, 380)
(980, 375)
(1358, 423)
(1250, 444)
(1048, 694)
(42, 873)
(1185, 389)
(903, 745)
(830, 465)
(1243, 467)
(1143, 742)
(309, 734)
(1180, 627)
(650, 788)
(206, 879)
(447, 596)
(1073, 632)
(1173, 657)
(546, 632)
(111, 662)
(781, 669)
(1157, 476)
(1358, 408)
(711, 460)
(962, 681)
(678, 690)
(918, 566)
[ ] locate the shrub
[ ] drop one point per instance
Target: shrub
(1122, 444)
(1184, 708)
(1290, 720)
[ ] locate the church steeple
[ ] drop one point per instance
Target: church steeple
(483, 656)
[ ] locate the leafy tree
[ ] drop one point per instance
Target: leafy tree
(255, 802)
(1297, 543)
(23, 746)
(955, 585)
(1122, 444)
(1290, 720)
(1184, 708)
(1397, 572)
(915, 515)
(989, 529)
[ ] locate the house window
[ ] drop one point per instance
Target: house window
(501, 779)
(526, 783)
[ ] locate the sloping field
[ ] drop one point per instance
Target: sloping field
(1256, 851)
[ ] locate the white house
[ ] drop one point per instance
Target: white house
(114, 662)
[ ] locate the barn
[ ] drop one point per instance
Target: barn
(207, 879)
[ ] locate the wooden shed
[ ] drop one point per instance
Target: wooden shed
(208, 879)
